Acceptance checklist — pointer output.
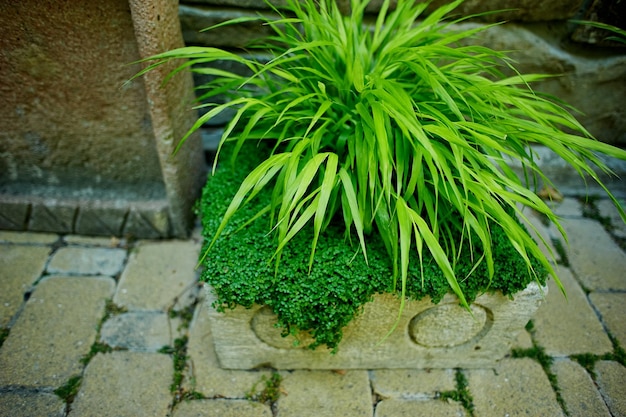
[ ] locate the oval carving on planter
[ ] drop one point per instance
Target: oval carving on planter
(264, 327)
(449, 325)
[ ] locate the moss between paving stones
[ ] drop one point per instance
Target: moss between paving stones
(239, 269)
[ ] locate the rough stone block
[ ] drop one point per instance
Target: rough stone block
(204, 374)
(427, 336)
(404, 408)
(56, 328)
(87, 261)
(20, 266)
(612, 308)
(150, 221)
(52, 216)
(159, 276)
(596, 270)
(125, 384)
(101, 220)
(578, 390)
(222, 408)
(13, 214)
(516, 387)
(412, 383)
(140, 331)
(17, 404)
(325, 394)
(568, 326)
(611, 380)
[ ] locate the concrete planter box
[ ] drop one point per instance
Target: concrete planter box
(428, 335)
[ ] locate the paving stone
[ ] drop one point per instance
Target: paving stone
(569, 326)
(595, 269)
(325, 394)
(87, 261)
(125, 384)
(56, 328)
(20, 266)
(52, 216)
(569, 207)
(28, 237)
(612, 308)
(523, 341)
(140, 331)
(15, 404)
(608, 209)
(107, 242)
(404, 408)
(204, 374)
(412, 383)
(517, 387)
(222, 408)
(611, 380)
(578, 390)
(158, 275)
(540, 233)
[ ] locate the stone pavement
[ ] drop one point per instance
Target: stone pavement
(105, 327)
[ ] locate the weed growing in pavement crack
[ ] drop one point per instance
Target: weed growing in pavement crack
(270, 392)
(588, 360)
(68, 391)
(4, 333)
(461, 393)
(110, 309)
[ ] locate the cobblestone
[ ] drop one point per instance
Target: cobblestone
(578, 390)
(125, 384)
(20, 267)
(611, 379)
(612, 308)
(56, 328)
(568, 326)
(87, 261)
(595, 269)
(52, 321)
(404, 408)
(518, 387)
(159, 276)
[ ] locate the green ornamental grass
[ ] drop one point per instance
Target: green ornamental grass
(395, 126)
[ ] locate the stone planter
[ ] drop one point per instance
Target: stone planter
(428, 335)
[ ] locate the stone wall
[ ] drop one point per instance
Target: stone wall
(593, 73)
(81, 151)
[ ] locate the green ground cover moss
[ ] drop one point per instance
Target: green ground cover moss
(241, 271)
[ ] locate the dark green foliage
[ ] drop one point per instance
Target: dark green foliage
(179, 357)
(461, 394)
(4, 333)
(68, 391)
(97, 347)
(269, 393)
(325, 299)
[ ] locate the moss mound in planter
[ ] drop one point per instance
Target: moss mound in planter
(241, 270)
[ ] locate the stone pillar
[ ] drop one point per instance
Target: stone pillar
(80, 150)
